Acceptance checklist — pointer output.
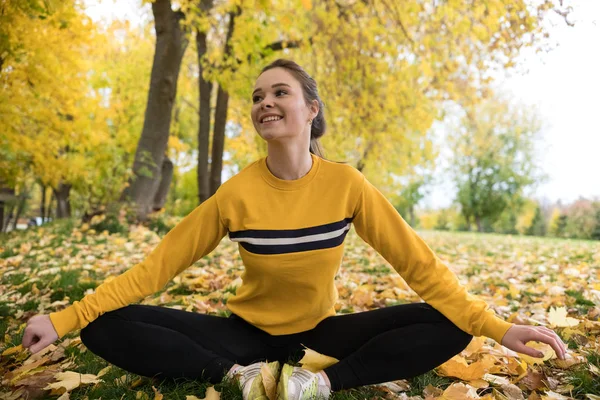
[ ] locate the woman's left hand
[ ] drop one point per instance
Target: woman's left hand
(517, 335)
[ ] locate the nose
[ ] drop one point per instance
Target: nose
(266, 103)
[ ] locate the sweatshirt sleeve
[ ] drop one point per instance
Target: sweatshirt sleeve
(194, 237)
(379, 224)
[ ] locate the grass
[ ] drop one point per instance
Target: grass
(418, 383)
(72, 284)
(583, 380)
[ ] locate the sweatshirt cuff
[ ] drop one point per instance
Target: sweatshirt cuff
(495, 328)
(64, 321)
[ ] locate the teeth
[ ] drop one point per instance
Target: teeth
(271, 119)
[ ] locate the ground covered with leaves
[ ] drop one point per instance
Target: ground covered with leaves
(533, 281)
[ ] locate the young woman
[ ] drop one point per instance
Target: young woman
(289, 213)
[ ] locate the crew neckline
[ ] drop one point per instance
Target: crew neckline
(284, 184)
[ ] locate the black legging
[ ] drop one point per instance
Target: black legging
(375, 346)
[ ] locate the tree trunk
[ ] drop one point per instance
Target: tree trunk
(1, 216)
(478, 222)
(50, 205)
(361, 163)
(43, 202)
(218, 144)
(205, 90)
(20, 206)
(171, 42)
(63, 203)
(166, 175)
(8, 218)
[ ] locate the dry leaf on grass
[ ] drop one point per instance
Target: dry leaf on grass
(460, 391)
(558, 317)
(458, 367)
(70, 380)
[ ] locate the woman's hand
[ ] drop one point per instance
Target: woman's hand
(517, 335)
(39, 333)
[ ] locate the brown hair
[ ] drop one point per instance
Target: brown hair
(309, 88)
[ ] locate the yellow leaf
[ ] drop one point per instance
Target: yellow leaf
(459, 391)
(307, 4)
(65, 396)
(139, 395)
(211, 394)
(103, 371)
(457, 367)
(12, 350)
(269, 382)
(315, 362)
(479, 383)
(558, 317)
(157, 394)
(543, 347)
(70, 380)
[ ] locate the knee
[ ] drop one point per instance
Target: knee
(459, 338)
(95, 333)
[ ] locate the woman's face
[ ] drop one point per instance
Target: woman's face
(278, 94)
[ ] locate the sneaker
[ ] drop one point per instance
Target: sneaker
(251, 381)
(300, 384)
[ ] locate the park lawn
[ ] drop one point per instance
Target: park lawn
(526, 280)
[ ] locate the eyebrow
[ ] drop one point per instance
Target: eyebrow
(274, 86)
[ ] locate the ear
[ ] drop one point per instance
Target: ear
(314, 108)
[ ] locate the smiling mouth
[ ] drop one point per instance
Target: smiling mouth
(271, 121)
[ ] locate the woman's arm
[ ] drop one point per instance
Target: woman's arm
(194, 237)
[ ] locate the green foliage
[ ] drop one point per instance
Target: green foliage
(596, 232)
(442, 223)
(507, 222)
(160, 223)
(581, 222)
(110, 222)
(538, 224)
(493, 159)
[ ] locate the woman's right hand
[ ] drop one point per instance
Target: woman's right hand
(39, 333)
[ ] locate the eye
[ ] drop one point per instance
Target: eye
(256, 98)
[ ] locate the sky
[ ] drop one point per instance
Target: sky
(564, 84)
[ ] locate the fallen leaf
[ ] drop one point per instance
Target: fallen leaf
(212, 394)
(546, 349)
(269, 382)
(70, 380)
(457, 367)
(550, 395)
(316, 362)
(12, 350)
(558, 317)
(157, 394)
(460, 391)
(479, 383)
(104, 371)
(533, 380)
(512, 392)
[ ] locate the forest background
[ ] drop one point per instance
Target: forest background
(91, 115)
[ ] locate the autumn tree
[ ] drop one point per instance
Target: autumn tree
(46, 111)
(493, 160)
(151, 169)
(384, 68)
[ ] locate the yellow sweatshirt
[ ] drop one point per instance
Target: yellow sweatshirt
(290, 236)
